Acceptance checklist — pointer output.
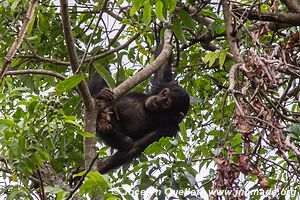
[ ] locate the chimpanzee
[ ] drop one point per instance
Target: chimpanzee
(139, 119)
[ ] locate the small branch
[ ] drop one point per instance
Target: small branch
(90, 39)
(42, 184)
(13, 49)
(39, 72)
(82, 178)
(35, 71)
(114, 39)
(291, 146)
(40, 58)
(106, 53)
(112, 14)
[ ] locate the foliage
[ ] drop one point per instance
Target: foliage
(242, 139)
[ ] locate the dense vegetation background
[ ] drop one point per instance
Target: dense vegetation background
(239, 61)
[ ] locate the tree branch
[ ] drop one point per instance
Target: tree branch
(106, 53)
(35, 71)
(285, 18)
(292, 5)
(13, 49)
(148, 70)
(230, 32)
(90, 114)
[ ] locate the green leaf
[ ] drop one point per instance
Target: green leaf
(211, 58)
(15, 148)
(147, 12)
(187, 19)
(32, 106)
(171, 5)
(154, 148)
(6, 122)
(12, 195)
(136, 6)
(43, 25)
(222, 57)
(69, 83)
(70, 121)
(44, 154)
(183, 131)
(120, 2)
(265, 8)
(14, 5)
(54, 190)
(31, 25)
(105, 74)
(159, 10)
(178, 31)
(133, 10)
(218, 26)
(180, 154)
(86, 134)
(96, 183)
(190, 178)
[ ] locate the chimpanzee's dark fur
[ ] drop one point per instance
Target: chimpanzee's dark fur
(167, 105)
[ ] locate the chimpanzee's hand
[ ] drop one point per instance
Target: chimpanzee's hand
(104, 121)
(106, 94)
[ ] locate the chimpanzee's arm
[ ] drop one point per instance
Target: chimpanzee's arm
(165, 73)
(122, 157)
(96, 84)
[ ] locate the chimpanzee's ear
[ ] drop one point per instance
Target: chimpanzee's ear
(180, 116)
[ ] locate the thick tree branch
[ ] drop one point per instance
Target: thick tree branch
(148, 70)
(84, 91)
(112, 14)
(233, 43)
(230, 32)
(90, 114)
(292, 5)
(285, 18)
(13, 49)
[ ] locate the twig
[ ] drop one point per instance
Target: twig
(106, 53)
(82, 178)
(35, 71)
(90, 39)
